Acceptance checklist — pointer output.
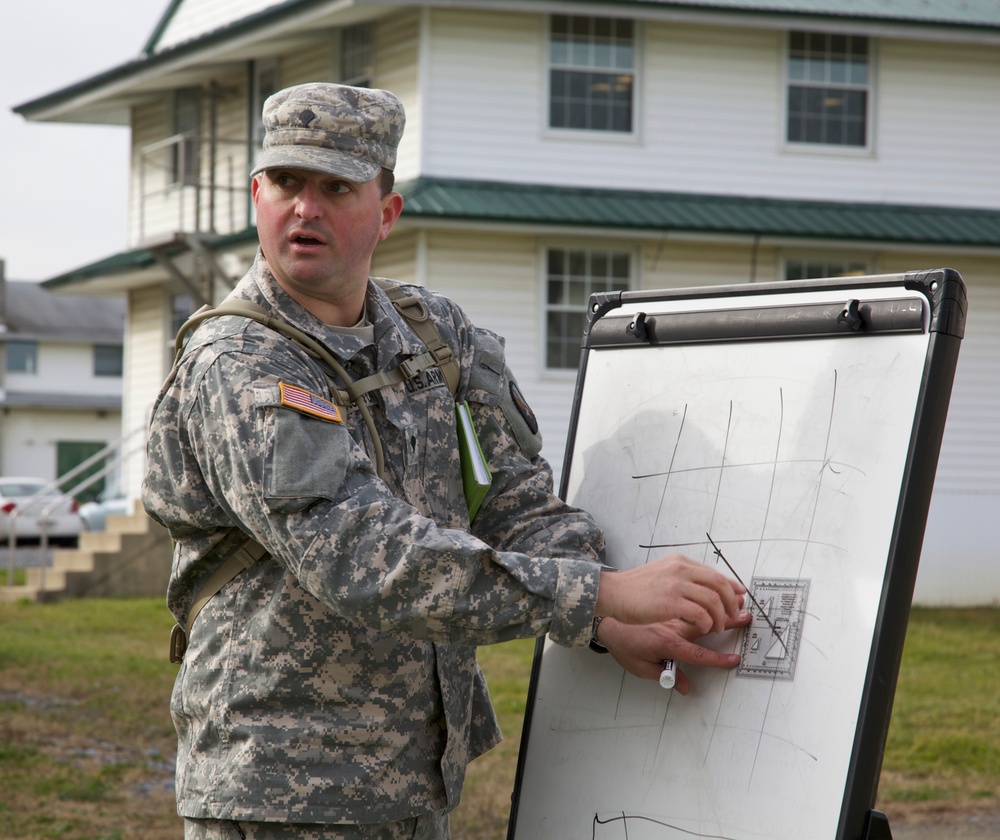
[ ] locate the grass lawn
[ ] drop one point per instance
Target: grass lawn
(86, 744)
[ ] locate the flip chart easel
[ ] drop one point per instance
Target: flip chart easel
(788, 434)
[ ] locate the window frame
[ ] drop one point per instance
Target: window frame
(184, 157)
(346, 53)
(30, 357)
(609, 247)
(591, 134)
(823, 148)
(102, 358)
(827, 259)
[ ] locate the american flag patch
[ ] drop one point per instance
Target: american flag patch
(307, 402)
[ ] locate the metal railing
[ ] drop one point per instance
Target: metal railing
(193, 184)
(125, 447)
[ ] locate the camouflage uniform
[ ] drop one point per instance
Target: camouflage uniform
(337, 680)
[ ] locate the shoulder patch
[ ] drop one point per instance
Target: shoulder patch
(309, 403)
(521, 404)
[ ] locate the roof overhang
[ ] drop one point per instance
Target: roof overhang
(144, 267)
(698, 217)
(51, 401)
(108, 97)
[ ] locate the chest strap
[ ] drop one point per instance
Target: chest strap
(412, 309)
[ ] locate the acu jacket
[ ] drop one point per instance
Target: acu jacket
(336, 679)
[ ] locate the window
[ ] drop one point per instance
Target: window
(571, 277)
(357, 55)
(181, 308)
(107, 360)
(828, 89)
(22, 357)
(807, 269)
(265, 82)
(185, 128)
(591, 73)
(69, 455)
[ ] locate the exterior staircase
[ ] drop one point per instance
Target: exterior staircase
(130, 558)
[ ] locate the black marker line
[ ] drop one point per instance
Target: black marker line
(760, 609)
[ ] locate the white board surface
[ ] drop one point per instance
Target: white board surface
(789, 456)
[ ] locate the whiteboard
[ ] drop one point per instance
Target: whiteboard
(786, 434)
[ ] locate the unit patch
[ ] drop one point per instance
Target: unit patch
(309, 403)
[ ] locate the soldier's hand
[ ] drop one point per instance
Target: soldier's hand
(671, 587)
(641, 649)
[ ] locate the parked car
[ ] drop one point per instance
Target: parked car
(23, 507)
(95, 514)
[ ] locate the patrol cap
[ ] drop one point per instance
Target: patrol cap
(336, 129)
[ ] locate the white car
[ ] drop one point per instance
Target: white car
(95, 514)
(23, 509)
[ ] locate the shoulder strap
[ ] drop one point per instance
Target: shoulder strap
(408, 305)
(247, 554)
(414, 310)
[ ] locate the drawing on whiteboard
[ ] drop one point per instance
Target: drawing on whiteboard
(771, 642)
(620, 826)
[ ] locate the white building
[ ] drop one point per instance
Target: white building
(60, 379)
(558, 148)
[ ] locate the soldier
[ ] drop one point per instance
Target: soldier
(331, 583)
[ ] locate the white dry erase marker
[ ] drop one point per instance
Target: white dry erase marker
(668, 676)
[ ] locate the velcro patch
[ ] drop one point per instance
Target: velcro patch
(309, 403)
(522, 406)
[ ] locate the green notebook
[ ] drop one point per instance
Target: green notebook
(476, 477)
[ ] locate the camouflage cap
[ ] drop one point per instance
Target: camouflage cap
(346, 131)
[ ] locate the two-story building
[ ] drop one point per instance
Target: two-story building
(554, 149)
(60, 381)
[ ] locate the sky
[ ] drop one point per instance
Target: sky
(63, 198)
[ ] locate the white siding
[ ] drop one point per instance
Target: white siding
(938, 117)
(496, 280)
(397, 41)
(710, 117)
(150, 211)
(313, 64)
(395, 258)
(64, 368)
(958, 564)
(31, 438)
(232, 170)
(197, 17)
(147, 363)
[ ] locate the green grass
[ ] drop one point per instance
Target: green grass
(86, 740)
(20, 575)
(944, 737)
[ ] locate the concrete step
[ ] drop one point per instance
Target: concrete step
(13, 594)
(131, 558)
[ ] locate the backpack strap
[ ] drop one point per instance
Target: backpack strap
(410, 306)
(414, 311)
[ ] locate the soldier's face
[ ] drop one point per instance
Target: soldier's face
(318, 232)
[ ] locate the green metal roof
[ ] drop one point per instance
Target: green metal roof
(491, 202)
(487, 201)
(934, 12)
